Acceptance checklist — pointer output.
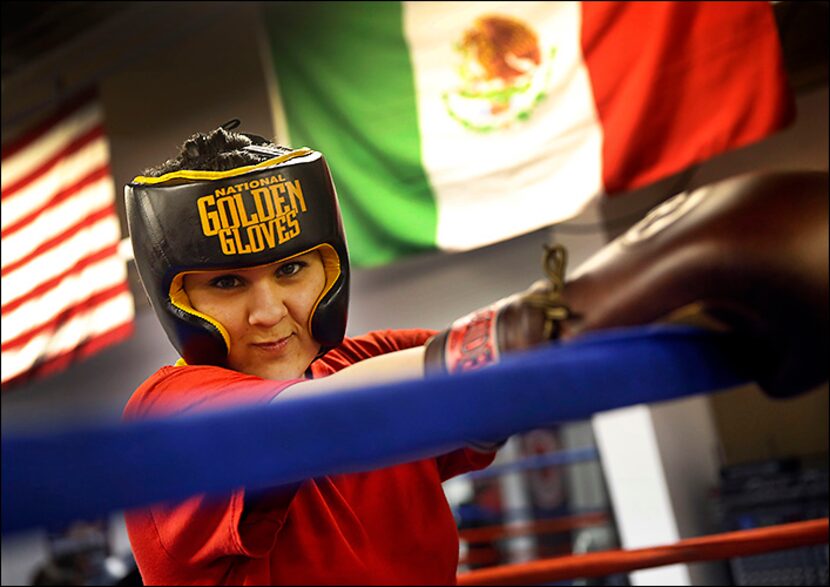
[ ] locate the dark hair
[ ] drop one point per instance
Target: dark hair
(218, 150)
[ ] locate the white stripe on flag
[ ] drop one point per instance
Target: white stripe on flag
(57, 219)
(496, 184)
(74, 167)
(113, 313)
(55, 261)
(50, 143)
(70, 291)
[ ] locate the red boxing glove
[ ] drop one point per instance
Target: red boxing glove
(518, 322)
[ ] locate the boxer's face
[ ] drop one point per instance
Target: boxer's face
(265, 311)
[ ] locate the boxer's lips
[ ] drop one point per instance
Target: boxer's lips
(275, 346)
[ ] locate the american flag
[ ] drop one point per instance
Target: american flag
(65, 293)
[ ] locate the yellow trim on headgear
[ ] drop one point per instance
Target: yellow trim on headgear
(213, 175)
(331, 268)
(180, 299)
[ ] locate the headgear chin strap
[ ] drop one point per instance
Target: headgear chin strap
(189, 221)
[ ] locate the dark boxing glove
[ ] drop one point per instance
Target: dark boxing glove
(748, 254)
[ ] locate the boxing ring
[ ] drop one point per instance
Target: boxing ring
(101, 469)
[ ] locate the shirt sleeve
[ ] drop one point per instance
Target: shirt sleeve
(372, 344)
(201, 530)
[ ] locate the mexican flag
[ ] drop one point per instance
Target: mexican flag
(453, 125)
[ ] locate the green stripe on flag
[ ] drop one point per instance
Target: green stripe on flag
(347, 88)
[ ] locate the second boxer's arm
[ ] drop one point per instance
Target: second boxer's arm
(388, 368)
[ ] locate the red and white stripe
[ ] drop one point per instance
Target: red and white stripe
(64, 288)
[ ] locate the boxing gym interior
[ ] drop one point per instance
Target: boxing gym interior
(718, 477)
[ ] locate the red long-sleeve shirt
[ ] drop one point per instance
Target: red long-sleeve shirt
(388, 526)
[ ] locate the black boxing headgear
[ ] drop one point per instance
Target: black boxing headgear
(188, 221)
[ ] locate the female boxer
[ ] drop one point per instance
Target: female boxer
(240, 248)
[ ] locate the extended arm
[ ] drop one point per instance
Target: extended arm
(396, 366)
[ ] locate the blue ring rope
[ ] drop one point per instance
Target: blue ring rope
(556, 458)
(468, 515)
(51, 479)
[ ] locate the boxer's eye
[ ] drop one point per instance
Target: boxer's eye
(226, 282)
(291, 268)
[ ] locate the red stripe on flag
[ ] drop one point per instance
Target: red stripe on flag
(65, 316)
(676, 83)
(62, 361)
(47, 124)
(76, 144)
(106, 211)
(60, 196)
(77, 268)
(70, 131)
